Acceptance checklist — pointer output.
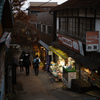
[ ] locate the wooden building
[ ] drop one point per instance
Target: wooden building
(77, 30)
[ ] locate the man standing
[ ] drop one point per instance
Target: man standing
(36, 63)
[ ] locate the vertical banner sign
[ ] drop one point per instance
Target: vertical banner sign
(81, 48)
(8, 40)
(92, 41)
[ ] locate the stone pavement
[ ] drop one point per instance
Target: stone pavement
(43, 87)
(33, 87)
(94, 93)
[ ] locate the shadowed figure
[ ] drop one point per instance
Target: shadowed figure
(36, 63)
(26, 62)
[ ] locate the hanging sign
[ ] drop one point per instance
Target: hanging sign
(92, 41)
(71, 43)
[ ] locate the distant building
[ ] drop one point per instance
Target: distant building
(77, 31)
(37, 7)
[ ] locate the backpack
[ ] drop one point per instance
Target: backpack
(36, 63)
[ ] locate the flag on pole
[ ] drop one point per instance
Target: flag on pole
(8, 40)
(3, 38)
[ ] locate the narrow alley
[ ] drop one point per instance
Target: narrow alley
(43, 87)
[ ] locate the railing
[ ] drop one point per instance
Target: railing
(97, 81)
(72, 35)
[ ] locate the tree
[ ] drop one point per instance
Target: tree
(24, 33)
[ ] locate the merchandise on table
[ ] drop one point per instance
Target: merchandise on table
(56, 71)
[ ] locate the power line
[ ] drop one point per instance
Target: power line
(44, 3)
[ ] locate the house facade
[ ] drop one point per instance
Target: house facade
(77, 31)
(6, 24)
(37, 7)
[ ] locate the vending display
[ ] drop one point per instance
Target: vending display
(57, 70)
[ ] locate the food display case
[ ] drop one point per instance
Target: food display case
(56, 71)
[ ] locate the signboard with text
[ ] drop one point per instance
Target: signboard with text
(71, 43)
(92, 41)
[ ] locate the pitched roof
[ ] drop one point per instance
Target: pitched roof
(77, 4)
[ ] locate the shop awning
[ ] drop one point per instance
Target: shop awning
(44, 44)
(58, 52)
(84, 61)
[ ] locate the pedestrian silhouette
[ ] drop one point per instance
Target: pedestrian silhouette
(27, 62)
(36, 63)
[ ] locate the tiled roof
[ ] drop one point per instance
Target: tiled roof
(77, 4)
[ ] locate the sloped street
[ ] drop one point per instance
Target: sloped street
(43, 87)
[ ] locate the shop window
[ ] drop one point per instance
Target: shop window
(60, 12)
(75, 12)
(88, 25)
(92, 24)
(49, 30)
(69, 12)
(85, 24)
(38, 26)
(62, 24)
(74, 26)
(43, 28)
(64, 12)
(89, 14)
(69, 26)
(85, 74)
(82, 12)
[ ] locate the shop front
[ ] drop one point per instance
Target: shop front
(45, 55)
(90, 77)
(86, 69)
(63, 67)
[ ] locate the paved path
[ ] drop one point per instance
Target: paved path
(43, 87)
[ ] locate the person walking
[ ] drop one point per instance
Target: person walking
(21, 63)
(36, 63)
(27, 62)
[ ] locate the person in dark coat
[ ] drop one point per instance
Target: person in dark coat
(27, 62)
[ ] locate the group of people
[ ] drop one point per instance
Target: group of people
(24, 61)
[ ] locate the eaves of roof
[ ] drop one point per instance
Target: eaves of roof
(77, 4)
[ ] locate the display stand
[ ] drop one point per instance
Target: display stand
(68, 75)
(56, 73)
